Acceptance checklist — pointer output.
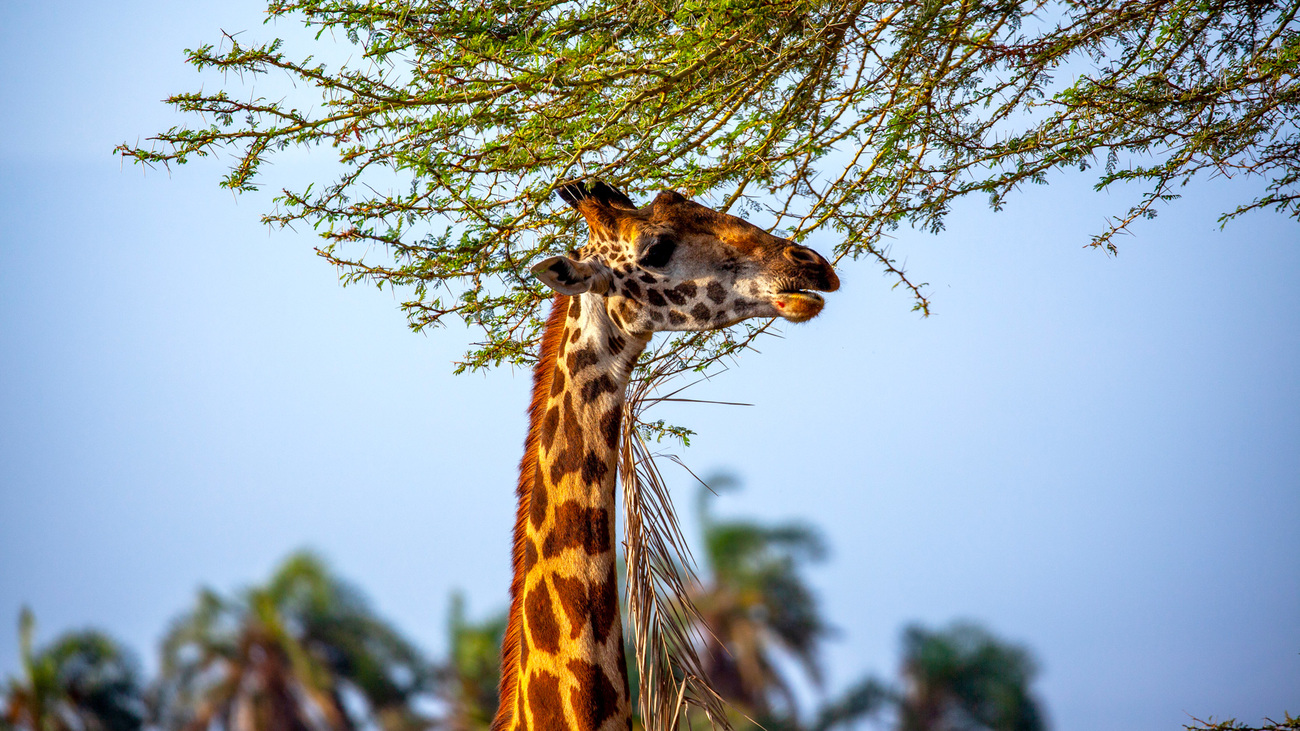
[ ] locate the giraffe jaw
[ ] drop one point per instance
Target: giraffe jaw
(798, 305)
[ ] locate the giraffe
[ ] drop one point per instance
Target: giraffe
(671, 265)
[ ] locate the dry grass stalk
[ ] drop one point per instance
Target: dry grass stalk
(665, 624)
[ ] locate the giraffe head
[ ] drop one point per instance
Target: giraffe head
(677, 265)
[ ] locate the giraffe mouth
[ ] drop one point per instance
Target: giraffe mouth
(798, 305)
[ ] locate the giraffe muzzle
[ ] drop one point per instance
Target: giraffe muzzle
(796, 298)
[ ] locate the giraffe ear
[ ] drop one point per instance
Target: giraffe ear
(566, 276)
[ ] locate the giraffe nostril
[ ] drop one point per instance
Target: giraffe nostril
(799, 255)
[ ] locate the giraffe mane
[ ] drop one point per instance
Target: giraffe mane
(551, 337)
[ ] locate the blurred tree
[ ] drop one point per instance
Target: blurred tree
(964, 679)
(83, 681)
(958, 679)
(302, 653)
(473, 668)
(453, 123)
(864, 700)
(755, 604)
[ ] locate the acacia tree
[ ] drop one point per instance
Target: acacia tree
(454, 123)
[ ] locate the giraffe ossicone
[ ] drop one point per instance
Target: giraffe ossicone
(671, 265)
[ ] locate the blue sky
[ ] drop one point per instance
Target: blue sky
(1097, 457)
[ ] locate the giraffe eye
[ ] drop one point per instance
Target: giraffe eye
(657, 254)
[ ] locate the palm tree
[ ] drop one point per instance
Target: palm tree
(755, 604)
(964, 679)
(302, 653)
(473, 670)
(84, 681)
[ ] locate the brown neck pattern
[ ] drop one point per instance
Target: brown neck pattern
(562, 660)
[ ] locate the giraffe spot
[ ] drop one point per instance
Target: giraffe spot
(537, 500)
(573, 336)
(675, 297)
(566, 462)
(594, 469)
(542, 627)
(580, 359)
(594, 699)
(569, 422)
(573, 597)
(545, 703)
(632, 288)
(648, 278)
(615, 344)
(596, 386)
(604, 605)
(657, 316)
(575, 308)
(577, 526)
(701, 312)
(687, 289)
(550, 546)
(530, 554)
(549, 422)
(676, 318)
(557, 382)
(609, 426)
(716, 292)
(656, 298)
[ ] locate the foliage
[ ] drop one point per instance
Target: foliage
(840, 119)
(289, 655)
(756, 604)
(865, 699)
(963, 679)
(823, 119)
(83, 681)
(1287, 724)
(958, 679)
(473, 668)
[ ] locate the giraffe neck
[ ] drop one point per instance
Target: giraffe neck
(562, 659)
